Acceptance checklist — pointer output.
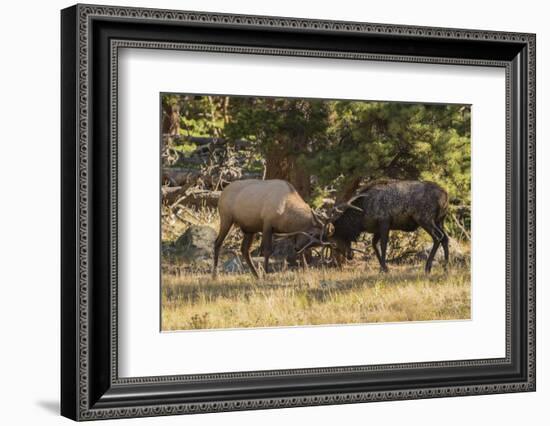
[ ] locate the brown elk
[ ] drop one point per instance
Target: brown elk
(383, 206)
(272, 207)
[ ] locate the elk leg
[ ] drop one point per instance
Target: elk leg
(225, 226)
(304, 262)
(432, 230)
(245, 251)
(267, 246)
(375, 241)
(429, 262)
(384, 237)
(444, 242)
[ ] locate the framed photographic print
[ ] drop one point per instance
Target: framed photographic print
(263, 212)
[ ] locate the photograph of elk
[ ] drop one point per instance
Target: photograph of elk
(300, 212)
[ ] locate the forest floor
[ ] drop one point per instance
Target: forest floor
(354, 294)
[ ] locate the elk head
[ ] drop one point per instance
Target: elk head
(342, 247)
(316, 236)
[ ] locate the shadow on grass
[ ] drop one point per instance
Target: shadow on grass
(324, 289)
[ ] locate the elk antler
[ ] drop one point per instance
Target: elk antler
(311, 239)
(339, 209)
(350, 201)
(316, 241)
(290, 234)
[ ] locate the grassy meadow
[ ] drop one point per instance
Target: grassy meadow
(354, 294)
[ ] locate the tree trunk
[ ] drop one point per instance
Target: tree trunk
(300, 179)
(171, 121)
(276, 162)
(348, 189)
(226, 109)
(280, 165)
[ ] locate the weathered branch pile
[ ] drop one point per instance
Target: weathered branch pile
(197, 179)
(192, 180)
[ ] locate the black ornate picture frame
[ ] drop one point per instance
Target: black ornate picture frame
(91, 387)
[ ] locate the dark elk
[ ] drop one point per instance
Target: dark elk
(383, 206)
(272, 207)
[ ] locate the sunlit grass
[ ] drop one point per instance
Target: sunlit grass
(314, 297)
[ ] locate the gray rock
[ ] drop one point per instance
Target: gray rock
(196, 244)
(233, 265)
(284, 249)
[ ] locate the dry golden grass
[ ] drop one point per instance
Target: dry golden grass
(313, 297)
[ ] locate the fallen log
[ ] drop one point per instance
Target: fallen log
(171, 193)
(173, 196)
(181, 176)
(204, 199)
(175, 177)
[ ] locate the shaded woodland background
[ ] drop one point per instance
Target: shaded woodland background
(326, 149)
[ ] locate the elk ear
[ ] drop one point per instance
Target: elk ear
(330, 229)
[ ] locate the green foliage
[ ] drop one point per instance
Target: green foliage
(186, 149)
(374, 140)
(199, 115)
(286, 123)
(320, 193)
